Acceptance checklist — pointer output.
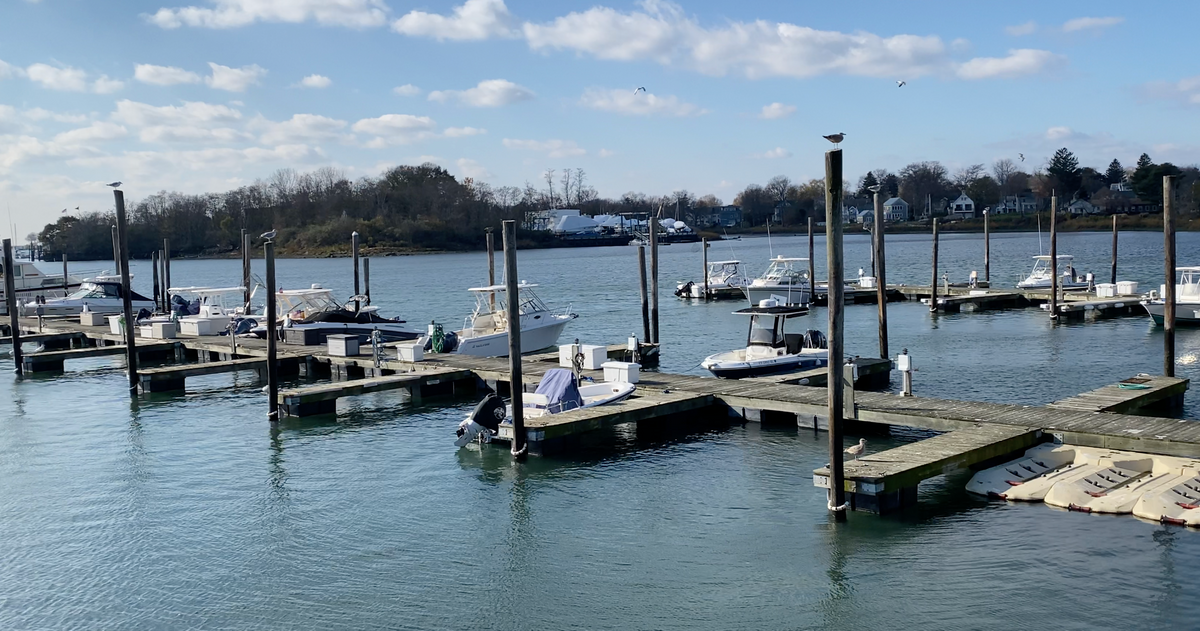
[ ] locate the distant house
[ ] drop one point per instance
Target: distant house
(1015, 204)
(865, 217)
(896, 209)
(1121, 201)
(962, 208)
(718, 216)
(1082, 207)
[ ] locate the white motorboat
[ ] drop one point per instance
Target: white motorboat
(725, 279)
(1040, 276)
(210, 311)
(1187, 299)
(485, 331)
(557, 393)
(768, 348)
(786, 281)
(102, 294)
(315, 309)
(33, 284)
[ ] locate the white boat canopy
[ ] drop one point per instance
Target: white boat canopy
(1046, 257)
(497, 288)
(724, 262)
(205, 290)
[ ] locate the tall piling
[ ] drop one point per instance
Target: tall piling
(366, 263)
(354, 258)
(247, 284)
(116, 248)
(812, 265)
(158, 305)
(166, 263)
(1168, 189)
(491, 250)
(704, 262)
(654, 280)
(833, 255)
(880, 276)
(987, 248)
(519, 448)
(1054, 257)
(1113, 275)
(126, 299)
(10, 303)
(933, 292)
(644, 295)
(66, 276)
(272, 340)
(162, 275)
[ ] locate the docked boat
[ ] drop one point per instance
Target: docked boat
(725, 280)
(102, 294)
(1187, 299)
(203, 311)
(786, 281)
(559, 392)
(32, 284)
(485, 331)
(1040, 276)
(318, 312)
(768, 348)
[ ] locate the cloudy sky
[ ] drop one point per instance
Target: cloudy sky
(207, 95)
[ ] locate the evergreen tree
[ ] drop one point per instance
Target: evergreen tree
(1115, 174)
(891, 184)
(864, 187)
(1143, 179)
(1064, 166)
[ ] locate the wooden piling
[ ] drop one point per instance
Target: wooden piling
(1053, 257)
(987, 248)
(162, 275)
(704, 251)
(167, 263)
(247, 284)
(10, 302)
(366, 263)
(1168, 189)
(66, 276)
(514, 336)
(116, 248)
(812, 265)
(131, 357)
(880, 276)
(158, 306)
(354, 258)
(272, 341)
(833, 254)
(491, 250)
(645, 297)
(654, 280)
(933, 292)
(1113, 276)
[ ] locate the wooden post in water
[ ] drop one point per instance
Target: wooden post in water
(157, 289)
(987, 248)
(654, 280)
(645, 297)
(116, 245)
(880, 277)
(519, 448)
(10, 302)
(1053, 257)
(246, 281)
(933, 292)
(367, 279)
(704, 250)
(1168, 189)
(833, 256)
(812, 265)
(162, 275)
(354, 257)
(66, 276)
(126, 300)
(167, 263)
(491, 249)
(272, 341)
(1113, 277)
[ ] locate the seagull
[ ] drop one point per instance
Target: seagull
(639, 90)
(267, 236)
(64, 210)
(876, 188)
(901, 84)
(835, 138)
(113, 184)
(858, 449)
(1021, 156)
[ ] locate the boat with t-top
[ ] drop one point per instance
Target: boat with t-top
(1187, 299)
(1040, 276)
(769, 349)
(725, 280)
(485, 331)
(786, 281)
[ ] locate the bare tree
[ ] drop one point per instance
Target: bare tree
(966, 176)
(1003, 169)
(567, 199)
(777, 188)
(549, 197)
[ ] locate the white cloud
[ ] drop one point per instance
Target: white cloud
(1085, 24)
(67, 79)
(460, 132)
(624, 101)
(777, 152)
(234, 79)
(1019, 62)
(185, 134)
(395, 129)
(1058, 133)
(301, 128)
(98, 131)
(40, 114)
(1019, 30)
(552, 148)
(472, 169)
(163, 75)
(776, 110)
(105, 85)
(316, 81)
(7, 70)
(190, 113)
(235, 13)
(605, 153)
(489, 93)
(473, 20)
(407, 89)
(1185, 90)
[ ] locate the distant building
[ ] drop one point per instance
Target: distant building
(962, 208)
(718, 216)
(1121, 201)
(1082, 207)
(865, 217)
(548, 219)
(1015, 204)
(896, 209)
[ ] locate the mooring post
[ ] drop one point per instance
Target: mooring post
(933, 292)
(654, 280)
(1053, 257)
(644, 295)
(164, 287)
(491, 250)
(704, 250)
(66, 276)
(1168, 189)
(833, 254)
(246, 282)
(116, 245)
(166, 264)
(987, 248)
(366, 262)
(517, 386)
(126, 300)
(10, 302)
(272, 341)
(354, 258)
(880, 276)
(158, 306)
(812, 265)
(1113, 277)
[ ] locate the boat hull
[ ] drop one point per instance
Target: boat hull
(62, 307)
(496, 345)
(737, 369)
(1185, 314)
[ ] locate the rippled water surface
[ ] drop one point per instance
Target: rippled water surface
(192, 512)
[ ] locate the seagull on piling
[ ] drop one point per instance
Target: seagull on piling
(267, 236)
(835, 138)
(639, 90)
(901, 84)
(857, 450)
(113, 184)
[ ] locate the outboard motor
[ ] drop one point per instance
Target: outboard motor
(815, 339)
(484, 419)
(685, 290)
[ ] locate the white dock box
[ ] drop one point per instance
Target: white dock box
(91, 318)
(145, 330)
(566, 355)
(593, 356)
(1127, 287)
(200, 326)
(1106, 290)
(162, 330)
(114, 325)
(411, 352)
(342, 345)
(621, 371)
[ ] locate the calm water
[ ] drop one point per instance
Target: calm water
(191, 512)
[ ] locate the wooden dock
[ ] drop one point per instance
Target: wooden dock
(52, 361)
(322, 399)
(1073, 305)
(1143, 393)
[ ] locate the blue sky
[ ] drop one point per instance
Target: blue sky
(207, 95)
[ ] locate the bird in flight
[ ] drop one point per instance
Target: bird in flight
(113, 184)
(835, 138)
(64, 210)
(1021, 156)
(267, 236)
(639, 90)
(901, 84)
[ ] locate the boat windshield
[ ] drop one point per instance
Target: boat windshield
(306, 303)
(529, 302)
(92, 290)
(722, 271)
(785, 270)
(764, 331)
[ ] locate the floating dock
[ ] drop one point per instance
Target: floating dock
(1072, 305)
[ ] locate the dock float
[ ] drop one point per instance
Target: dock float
(322, 399)
(555, 431)
(52, 341)
(52, 361)
(171, 378)
(1143, 393)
